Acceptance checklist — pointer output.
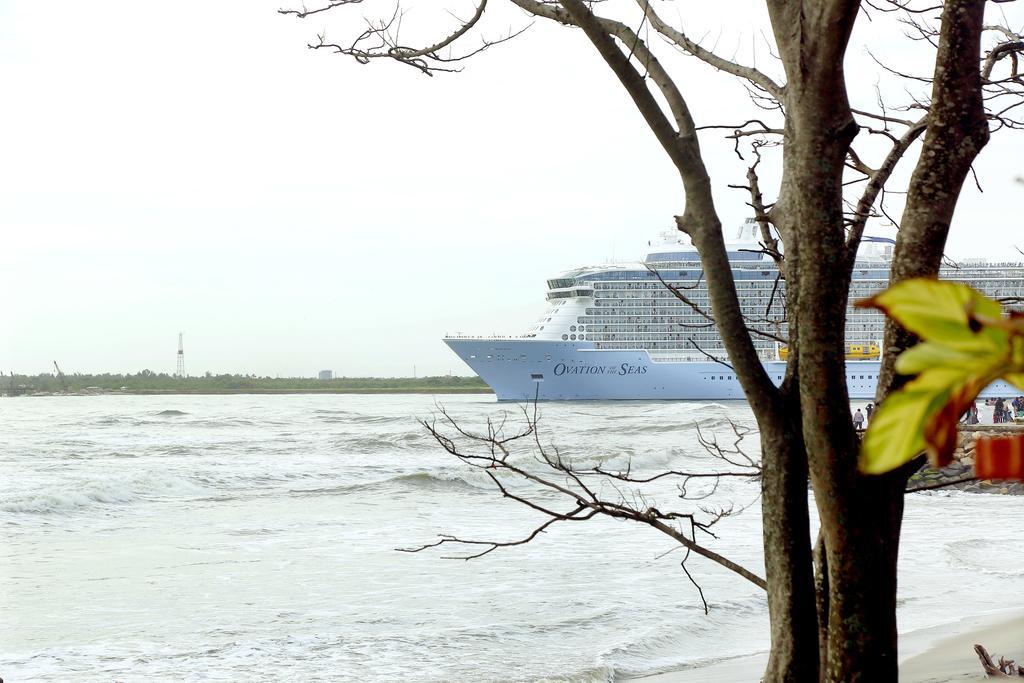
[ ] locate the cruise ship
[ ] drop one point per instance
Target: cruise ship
(618, 331)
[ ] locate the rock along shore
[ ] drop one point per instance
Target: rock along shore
(962, 467)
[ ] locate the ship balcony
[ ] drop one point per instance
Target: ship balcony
(569, 293)
(489, 336)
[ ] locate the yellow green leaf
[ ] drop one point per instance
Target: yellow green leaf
(926, 355)
(896, 433)
(923, 414)
(940, 431)
(942, 312)
(1016, 350)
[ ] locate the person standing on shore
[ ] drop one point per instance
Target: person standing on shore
(858, 420)
(868, 412)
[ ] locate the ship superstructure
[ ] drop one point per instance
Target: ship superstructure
(620, 331)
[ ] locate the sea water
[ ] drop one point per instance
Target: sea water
(254, 538)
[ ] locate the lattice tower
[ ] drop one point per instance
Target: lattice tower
(180, 371)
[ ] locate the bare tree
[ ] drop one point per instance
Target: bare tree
(829, 191)
(546, 479)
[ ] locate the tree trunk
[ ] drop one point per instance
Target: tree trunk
(861, 569)
(787, 553)
(860, 516)
(821, 600)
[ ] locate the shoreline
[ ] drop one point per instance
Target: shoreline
(937, 654)
(257, 392)
(366, 390)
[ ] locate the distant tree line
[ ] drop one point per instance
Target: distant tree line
(149, 381)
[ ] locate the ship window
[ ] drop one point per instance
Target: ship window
(572, 337)
(720, 377)
(583, 328)
(572, 328)
(565, 337)
(582, 337)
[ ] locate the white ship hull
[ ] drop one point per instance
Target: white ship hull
(528, 369)
(524, 369)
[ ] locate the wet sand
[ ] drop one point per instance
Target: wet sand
(941, 654)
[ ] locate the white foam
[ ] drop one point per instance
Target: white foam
(70, 497)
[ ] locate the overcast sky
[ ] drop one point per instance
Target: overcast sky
(192, 167)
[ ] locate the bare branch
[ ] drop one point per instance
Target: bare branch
(680, 39)
(1001, 51)
(693, 581)
(765, 128)
(768, 240)
(493, 457)
(380, 40)
(303, 13)
(405, 53)
(876, 182)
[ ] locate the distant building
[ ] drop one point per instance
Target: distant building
(325, 374)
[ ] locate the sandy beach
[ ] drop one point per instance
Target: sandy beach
(940, 654)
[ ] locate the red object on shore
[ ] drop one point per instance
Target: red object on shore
(999, 457)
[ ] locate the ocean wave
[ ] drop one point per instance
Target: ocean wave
(380, 443)
(652, 427)
(663, 410)
(444, 480)
(164, 417)
(99, 494)
(225, 422)
(252, 532)
(644, 459)
(707, 424)
(359, 418)
(114, 420)
(200, 422)
(992, 556)
(599, 673)
(422, 481)
(657, 649)
(646, 655)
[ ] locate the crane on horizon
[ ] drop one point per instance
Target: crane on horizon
(61, 377)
